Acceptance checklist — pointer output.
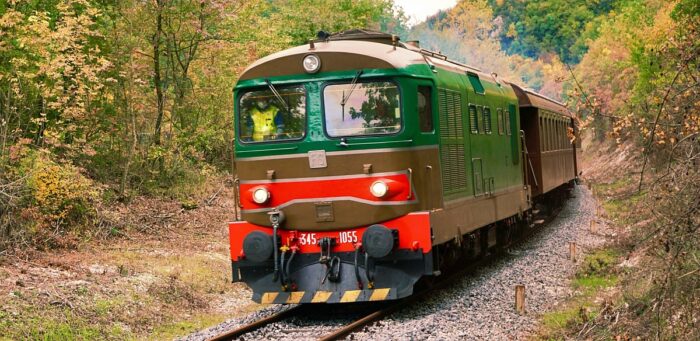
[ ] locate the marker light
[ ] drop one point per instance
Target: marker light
(312, 63)
(379, 188)
(261, 195)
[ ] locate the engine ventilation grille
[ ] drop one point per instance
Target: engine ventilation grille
(454, 175)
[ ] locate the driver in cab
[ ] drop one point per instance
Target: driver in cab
(265, 120)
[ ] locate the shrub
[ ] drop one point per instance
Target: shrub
(50, 203)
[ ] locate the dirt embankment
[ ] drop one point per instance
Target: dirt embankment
(167, 275)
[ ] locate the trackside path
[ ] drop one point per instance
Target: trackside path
(481, 306)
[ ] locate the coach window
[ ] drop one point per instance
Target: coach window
(550, 134)
(487, 120)
(499, 118)
(425, 111)
(557, 137)
(544, 134)
(511, 115)
(480, 118)
(561, 134)
(473, 121)
(541, 133)
(545, 130)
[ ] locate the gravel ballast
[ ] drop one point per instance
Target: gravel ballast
(481, 305)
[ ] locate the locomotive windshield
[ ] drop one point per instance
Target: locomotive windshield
(272, 114)
(358, 109)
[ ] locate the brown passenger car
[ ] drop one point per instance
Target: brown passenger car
(551, 138)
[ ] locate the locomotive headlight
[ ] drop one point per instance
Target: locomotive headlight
(379, 188)
(261, 195)
(311, 63)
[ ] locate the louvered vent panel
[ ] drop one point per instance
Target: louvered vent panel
(444, 127)
(452, 142)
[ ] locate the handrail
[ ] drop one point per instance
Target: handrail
(410, 183)
(345, 144)
(527, 156)
(268, 150)
(237, 197)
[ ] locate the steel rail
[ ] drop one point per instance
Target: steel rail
(232, 334)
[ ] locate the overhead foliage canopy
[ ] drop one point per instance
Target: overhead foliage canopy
(137, 94)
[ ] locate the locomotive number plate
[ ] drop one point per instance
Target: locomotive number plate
(317, 159)
(341, 238)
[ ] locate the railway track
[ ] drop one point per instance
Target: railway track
(379, 313)
(369, 318)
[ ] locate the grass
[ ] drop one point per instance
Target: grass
(56, 323)
(202, 272)
(619, 209)
(173, 330)
(152, 294)
(615, 186)
(618, 198)
(595, 275)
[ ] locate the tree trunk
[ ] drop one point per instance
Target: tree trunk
(130, 120)
(157, 82)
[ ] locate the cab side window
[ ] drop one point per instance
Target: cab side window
(425, 109)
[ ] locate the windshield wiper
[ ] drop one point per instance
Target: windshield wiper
(277, 94)
(352, 88)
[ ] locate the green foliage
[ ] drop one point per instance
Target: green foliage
(598, 267)
(137, 94)
(50, 203)
(531, 28)
(302, 19)
(60, 192)
(469, 33)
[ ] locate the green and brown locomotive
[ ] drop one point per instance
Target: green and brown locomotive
(365, 164)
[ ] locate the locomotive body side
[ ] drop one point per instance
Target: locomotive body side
(480, 156)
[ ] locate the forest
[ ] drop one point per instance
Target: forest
(108, 105)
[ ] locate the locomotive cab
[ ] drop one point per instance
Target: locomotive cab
(329, 137)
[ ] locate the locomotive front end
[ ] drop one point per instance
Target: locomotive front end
(335, 154)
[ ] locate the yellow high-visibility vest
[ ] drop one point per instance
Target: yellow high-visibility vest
(263, 122)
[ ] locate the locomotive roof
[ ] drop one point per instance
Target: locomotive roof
(346, 50)
(335, 55)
